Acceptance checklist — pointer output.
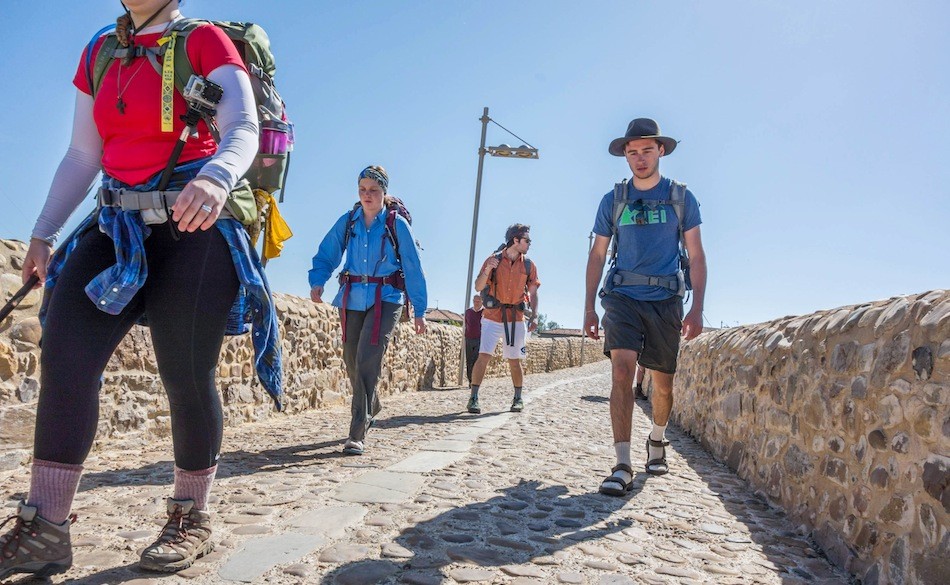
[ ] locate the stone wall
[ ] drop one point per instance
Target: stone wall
(314, 376)
(842, 418)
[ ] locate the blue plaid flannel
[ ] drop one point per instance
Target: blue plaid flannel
(112, 289)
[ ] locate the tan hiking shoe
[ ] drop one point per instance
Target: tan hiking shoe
(34, 545)
(185, 538)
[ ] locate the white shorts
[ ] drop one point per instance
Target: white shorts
(493, 332)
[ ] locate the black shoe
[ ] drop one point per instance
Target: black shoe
(638, 393)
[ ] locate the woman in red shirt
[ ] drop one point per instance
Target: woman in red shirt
(162, 262)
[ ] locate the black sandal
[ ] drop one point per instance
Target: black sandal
(657, 466)
(612, 491)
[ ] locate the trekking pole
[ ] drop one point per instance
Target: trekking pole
(202, 96)
(18, 297)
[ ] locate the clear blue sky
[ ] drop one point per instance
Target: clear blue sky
(814, 134)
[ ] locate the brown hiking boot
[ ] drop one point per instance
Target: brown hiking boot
(34, 545)
(185, 538)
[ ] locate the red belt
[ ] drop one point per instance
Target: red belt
(395, 280)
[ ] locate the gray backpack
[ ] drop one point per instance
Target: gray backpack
(678, 284)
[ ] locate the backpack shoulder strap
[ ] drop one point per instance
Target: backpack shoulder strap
(183, 67)
(621, 191)
(96, 70)
(678, 200)
(390, 224)
(527, 271)
(350, 220)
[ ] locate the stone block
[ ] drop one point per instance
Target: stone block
(923, 362)
(797, 463)
(843, 356)
(936, 480)
(836, 469)
(892, 355)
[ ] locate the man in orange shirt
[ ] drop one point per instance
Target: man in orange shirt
(509, 283)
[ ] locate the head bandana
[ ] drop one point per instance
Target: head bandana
(378, 175)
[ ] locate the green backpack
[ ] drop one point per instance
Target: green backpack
(269, 170)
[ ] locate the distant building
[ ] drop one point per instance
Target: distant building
(443, 316)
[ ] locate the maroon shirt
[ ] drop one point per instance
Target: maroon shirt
(473, 324)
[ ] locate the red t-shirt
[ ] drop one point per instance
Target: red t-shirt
(133, 145)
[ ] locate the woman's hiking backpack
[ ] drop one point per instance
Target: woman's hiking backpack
(268, 172)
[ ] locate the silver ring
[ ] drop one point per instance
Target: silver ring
(207, 208)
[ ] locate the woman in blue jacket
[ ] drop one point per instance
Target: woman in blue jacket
(376, 273)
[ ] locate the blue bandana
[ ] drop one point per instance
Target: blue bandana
(378, 175)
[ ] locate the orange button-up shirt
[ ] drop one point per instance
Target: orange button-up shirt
(510, 286)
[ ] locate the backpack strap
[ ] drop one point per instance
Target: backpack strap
(678, 201)
(390, 225)
(621, 199)
(350, 221)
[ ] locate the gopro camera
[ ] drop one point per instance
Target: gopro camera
(202, 95)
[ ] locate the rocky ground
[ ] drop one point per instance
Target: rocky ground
(442, 496)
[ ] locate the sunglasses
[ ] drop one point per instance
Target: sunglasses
(525, 240)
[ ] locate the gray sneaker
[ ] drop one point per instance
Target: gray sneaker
(472, 406)
(35, 545)
(517, 405)
(185, 538)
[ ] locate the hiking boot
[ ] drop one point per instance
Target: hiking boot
(517, 405)
(185, 538)
(35, 545)
(473, 406)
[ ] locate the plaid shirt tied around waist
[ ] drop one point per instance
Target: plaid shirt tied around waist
(113, 289)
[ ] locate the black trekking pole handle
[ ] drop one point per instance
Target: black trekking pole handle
(18, 297)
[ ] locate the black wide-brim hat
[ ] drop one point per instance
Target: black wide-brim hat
(641, 128)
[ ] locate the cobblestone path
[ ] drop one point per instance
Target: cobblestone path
(442, 496)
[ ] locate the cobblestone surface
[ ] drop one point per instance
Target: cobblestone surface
(442, 496)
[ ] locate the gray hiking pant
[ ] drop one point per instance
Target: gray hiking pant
(364, 361)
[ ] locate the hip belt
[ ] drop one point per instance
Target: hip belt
(130, 200)
(396, 280)
(675, 283)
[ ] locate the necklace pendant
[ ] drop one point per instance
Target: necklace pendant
(120, 105)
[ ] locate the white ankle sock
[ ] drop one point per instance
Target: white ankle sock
(623, 456)
(657, 434)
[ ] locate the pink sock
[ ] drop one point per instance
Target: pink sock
(194, 485)
(52, 489)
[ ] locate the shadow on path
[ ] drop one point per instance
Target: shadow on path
(242, 462)
(524, 522)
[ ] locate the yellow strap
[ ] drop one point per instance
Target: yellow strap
(168, 83)
(277, 231)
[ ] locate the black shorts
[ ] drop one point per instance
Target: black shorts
(651, 328)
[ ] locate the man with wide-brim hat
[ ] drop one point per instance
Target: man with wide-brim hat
(657, 252)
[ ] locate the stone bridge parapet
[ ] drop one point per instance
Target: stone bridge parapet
(842, 418)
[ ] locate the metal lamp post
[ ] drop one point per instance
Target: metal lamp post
(505, 151)
(590, 246)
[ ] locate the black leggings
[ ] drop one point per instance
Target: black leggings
(186, 299)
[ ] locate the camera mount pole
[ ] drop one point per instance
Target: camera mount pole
(191, 118)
